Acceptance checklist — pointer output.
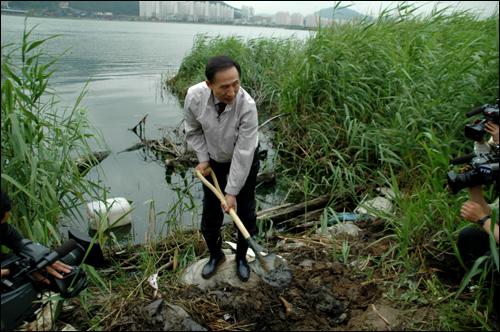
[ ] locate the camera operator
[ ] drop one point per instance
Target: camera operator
(474, 243)
(10, 236)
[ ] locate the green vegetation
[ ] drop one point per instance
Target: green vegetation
(130, 8)
(40, 143)
(378, 103)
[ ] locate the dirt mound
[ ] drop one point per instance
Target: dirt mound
(324, 295)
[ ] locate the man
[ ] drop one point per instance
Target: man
(10, 236)
(221, 128)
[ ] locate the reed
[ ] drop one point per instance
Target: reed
(40, 142)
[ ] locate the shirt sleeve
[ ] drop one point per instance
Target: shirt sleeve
(195, 136)
(244, 150)
(481, 148)
(10, 236)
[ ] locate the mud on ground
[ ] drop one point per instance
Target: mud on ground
(325, 295)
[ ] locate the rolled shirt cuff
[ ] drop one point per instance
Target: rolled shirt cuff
(232, 191)
(203, 157)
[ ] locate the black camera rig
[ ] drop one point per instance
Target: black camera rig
(484, 166)
(477, 131)
(20, 289)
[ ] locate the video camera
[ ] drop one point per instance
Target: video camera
(484, 167)
(476, 131)
(20, 289)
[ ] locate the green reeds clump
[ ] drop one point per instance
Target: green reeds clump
(368, 89)
(265, 63)
(40, 142)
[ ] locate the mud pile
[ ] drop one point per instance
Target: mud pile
(327, 293)
(324, 295)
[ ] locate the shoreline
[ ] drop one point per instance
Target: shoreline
(151, 21)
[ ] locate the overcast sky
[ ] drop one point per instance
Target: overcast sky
(364, 7)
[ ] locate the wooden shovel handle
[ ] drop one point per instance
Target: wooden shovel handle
(221, 197)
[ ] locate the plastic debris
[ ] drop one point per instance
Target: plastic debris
(153, 282)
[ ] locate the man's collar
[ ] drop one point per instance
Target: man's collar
(216, 101)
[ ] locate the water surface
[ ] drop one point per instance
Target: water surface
(123, 62)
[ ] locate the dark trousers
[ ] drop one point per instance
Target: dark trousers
(472, 244)
(213, 214)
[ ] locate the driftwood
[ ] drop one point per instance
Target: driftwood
(289, 212)
(267, 176)
(142, 144)
(89, 161)
(185, 160)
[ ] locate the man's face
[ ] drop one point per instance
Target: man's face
(225, 85)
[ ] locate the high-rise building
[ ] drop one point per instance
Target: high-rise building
(186, 11)
(282, 18)
(297, 19)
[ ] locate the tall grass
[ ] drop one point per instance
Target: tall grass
(40, 142)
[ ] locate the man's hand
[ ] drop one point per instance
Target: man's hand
(473, 211)
(492, 128)
(202, 167)
(52, 269)
(231, 203)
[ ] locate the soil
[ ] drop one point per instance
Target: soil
(326, 294)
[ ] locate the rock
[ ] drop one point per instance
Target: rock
(225, 274)
(347, 228)
(378, 203)
(307, 264)
(166, 317)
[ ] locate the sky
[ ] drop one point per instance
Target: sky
(364, 7)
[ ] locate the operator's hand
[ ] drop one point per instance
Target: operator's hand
(52, 269)
(473, 211)
(5, 272)
(492, 128)
(202, 167)
(465, 169)
(231, 203)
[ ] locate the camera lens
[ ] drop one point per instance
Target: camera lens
(457, 182)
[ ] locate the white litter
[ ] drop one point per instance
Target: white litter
(153, 282)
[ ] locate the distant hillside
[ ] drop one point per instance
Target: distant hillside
(341, 14)
(130, 8)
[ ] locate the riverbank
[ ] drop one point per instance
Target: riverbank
(137, 19)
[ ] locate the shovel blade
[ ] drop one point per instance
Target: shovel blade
(273, 271)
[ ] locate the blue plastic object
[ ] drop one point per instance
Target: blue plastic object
(348, 216)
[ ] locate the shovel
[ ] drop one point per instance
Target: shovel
(270, 268)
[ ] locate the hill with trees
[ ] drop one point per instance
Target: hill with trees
(128, 8)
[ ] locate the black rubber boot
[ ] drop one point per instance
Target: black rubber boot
(241, 258)
(217, 256)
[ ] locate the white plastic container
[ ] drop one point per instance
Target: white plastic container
(118, 207)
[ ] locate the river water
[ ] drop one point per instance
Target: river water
(124, 62)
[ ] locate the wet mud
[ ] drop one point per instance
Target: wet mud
(324, 293)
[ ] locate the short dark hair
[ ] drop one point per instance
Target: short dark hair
(218, 63)
(5, 204)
